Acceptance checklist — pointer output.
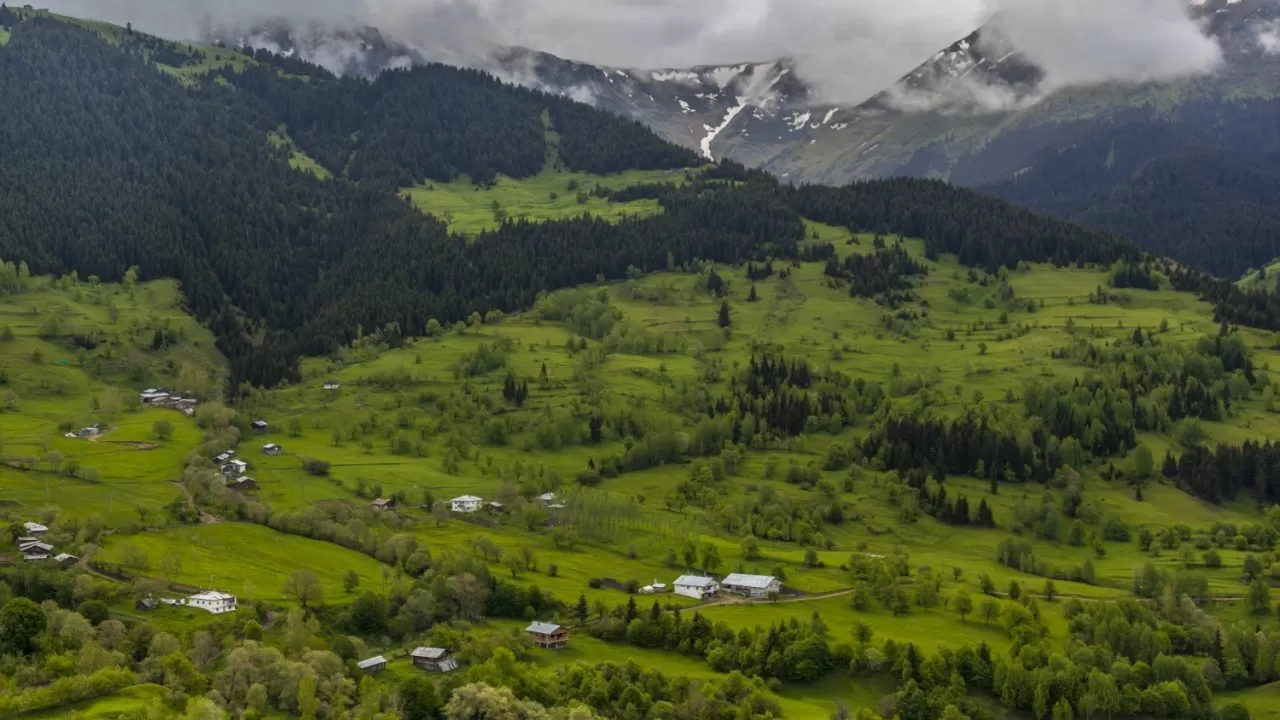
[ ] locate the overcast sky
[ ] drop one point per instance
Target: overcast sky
(850, 49)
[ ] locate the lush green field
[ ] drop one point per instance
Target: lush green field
(54, 385)
(250, 561)
(550, 195)
(415, 421)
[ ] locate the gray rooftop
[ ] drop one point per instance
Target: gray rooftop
(377, 660)
(542, 628)
(429, 653)
(694, 581)
(750, 581)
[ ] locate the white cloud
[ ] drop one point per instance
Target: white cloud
(848, 49)
(1083, 42)
(1269, 37)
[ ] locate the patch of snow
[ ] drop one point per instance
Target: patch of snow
(684, 106)
(712, 132)
(830, 113)
(798, 121)
(839, 126)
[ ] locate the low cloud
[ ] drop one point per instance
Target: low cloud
(848, 50)
(1269, 37)
(1087, 42)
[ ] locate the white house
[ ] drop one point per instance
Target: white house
(696, 586)
(466, 503)
(752, 586)
(235, 468)
(213, 601)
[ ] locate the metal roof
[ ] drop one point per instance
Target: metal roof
(543, 628)
(694, 581)
(429, 653)
(376, 660)
(750, 581)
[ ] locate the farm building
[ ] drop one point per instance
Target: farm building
(272, 449)
(65, 560)
(656, 588)
(548, 635)
(235, 468)
(88, 432)
(383, 504)
(333, 385)
(224, 457)
(696, 586)
(152, 396)
(242, 483)
(36, 548)
(375, 664)
(547, 498)
(466, 503)
(495, 507)
(752, 586)
(35, 528)
(213, 601)
(146, 604)
(35, 557)
(433, 659)
(259, 426)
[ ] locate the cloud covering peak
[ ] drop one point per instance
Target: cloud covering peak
(847, 49)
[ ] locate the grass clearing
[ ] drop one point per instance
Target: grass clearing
(251, 561)
(550, 195)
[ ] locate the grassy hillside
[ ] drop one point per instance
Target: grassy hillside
(416, 423)
(75, 353)
(1010, 488)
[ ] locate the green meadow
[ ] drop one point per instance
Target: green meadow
(469, 209)
(415, 422)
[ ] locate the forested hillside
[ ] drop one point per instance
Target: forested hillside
(110, 163)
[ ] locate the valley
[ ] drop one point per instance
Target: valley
(425, 397)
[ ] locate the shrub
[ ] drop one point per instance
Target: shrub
(595, 583)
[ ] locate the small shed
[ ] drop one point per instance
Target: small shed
(333, 385)
(224, 457)
(272, 449)
(656, 588)
(146, 604)
(35, 528)
(383, 504)
(242, 483)
(433, 659)
(65, 560)
(548, 635)
(259, 426)
(547, 498)
(372, 665)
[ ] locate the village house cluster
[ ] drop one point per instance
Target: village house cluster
(159, 397)
(35, 549)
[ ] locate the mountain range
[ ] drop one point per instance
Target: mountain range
(1184, 167)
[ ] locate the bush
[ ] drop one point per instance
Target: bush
(553, 570)
(1212, 559)
(595, 583)
(95, 611)
(315, 467)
